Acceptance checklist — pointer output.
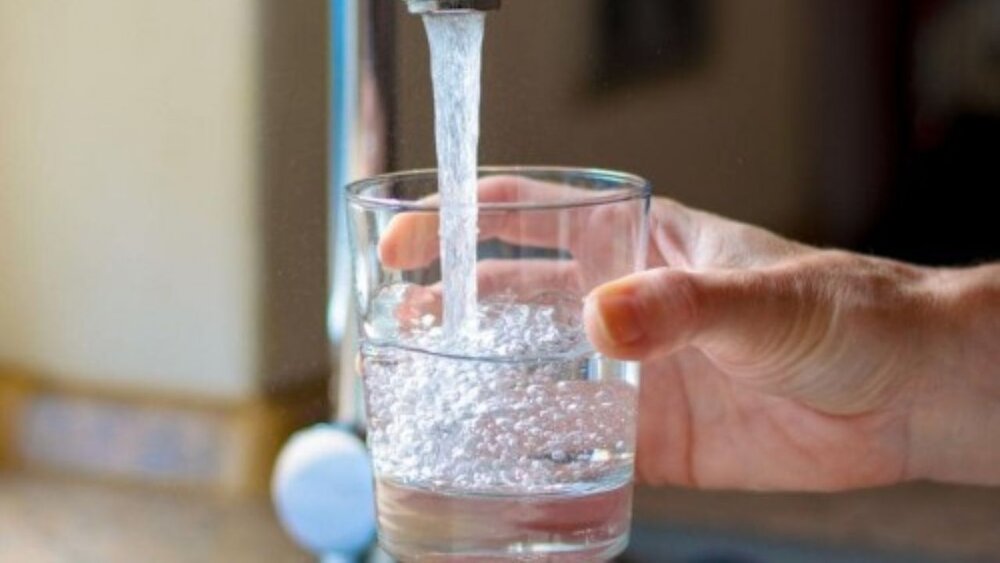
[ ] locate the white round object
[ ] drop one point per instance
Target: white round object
(322, 489)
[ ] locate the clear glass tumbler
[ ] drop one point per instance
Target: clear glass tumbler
(512, 439)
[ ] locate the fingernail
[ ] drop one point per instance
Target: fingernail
(617, 314)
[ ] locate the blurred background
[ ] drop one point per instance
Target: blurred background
(169, 171)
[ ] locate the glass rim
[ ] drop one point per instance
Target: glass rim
(631, 187)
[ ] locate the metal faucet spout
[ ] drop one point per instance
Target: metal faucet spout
(434, 6)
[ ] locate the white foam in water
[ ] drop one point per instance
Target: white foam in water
(543, 414)
(456, 58)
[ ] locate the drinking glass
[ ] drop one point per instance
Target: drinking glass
(511, 438)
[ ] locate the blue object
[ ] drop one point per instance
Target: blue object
(322, 490)
(345, 111)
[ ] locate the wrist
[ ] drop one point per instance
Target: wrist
(955, 414)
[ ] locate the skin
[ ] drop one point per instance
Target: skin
(769, 364)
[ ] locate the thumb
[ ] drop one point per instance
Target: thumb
(737, 316)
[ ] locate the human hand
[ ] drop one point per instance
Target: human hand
(769, 364)
(773, 365)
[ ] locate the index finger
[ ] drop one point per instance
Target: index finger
(411, 240)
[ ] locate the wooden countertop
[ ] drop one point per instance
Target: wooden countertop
(48, 520)
(45, 520)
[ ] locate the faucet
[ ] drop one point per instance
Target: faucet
(428, 6)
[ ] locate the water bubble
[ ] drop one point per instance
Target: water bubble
(496, 424)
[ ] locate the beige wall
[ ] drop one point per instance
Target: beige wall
(728, 135)
(127, 174)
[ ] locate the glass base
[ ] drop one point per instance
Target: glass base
(422, 525)
(556, 552)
